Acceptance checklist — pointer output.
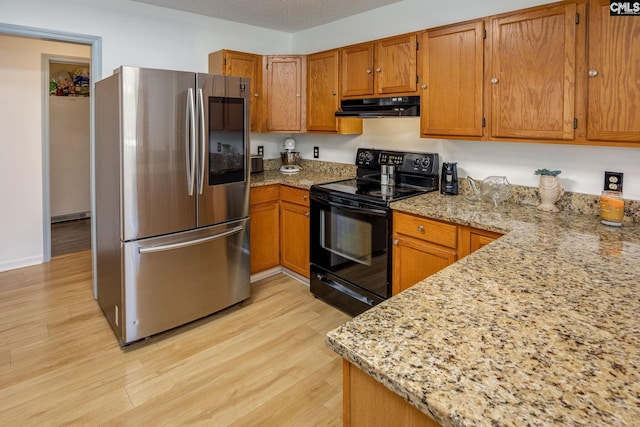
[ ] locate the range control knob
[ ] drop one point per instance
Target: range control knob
(361, 155)
(426, 162)
(368, 156)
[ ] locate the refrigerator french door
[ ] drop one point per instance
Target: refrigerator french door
(172, 197)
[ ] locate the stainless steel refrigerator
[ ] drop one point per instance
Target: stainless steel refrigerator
(172, 197)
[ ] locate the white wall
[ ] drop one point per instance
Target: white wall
(138, 34)
(21, 212)
(132, 34)
(398, 18)
(582, 166)
(69, 155)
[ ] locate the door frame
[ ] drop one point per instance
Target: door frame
(96, 74)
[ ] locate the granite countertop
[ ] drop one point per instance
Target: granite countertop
(312, 172)
(539, 328)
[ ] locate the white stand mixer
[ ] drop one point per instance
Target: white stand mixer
(290, 158)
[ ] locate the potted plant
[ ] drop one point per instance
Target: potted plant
(549, 189)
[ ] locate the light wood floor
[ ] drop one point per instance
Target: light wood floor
(261, 363)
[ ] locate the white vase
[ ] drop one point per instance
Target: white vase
(550, 192)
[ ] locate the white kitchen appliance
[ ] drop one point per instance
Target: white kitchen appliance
(290, 158)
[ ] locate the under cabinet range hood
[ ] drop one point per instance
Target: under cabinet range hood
(397, 106)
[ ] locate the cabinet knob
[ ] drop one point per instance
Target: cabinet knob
(395, 241)
(306, 214)
(378, 69)
(297, 95)
(368, 71)
(593, 73)
(333, 93)
(304, 197)
(255, 94)
(420, 228)
(423, 86)
(494, 80)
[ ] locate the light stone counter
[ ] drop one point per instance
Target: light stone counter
(539, 328)
(313, 172)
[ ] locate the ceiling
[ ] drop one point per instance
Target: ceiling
(283, 15)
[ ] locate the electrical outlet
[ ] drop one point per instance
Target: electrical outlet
(613, 181)
(260, 150)
(316, 152)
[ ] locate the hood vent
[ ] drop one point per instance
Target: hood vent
(397, 106)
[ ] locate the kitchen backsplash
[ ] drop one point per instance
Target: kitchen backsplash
(580, 203)
(333, 168)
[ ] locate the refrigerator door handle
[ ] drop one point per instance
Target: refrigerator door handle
(190, 142)
(171, 246)
(203, 140)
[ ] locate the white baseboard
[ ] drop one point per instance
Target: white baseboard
(19, 263)
(277, 270)
(266, 273)
(296, 276)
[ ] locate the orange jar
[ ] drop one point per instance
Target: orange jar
(611, 208)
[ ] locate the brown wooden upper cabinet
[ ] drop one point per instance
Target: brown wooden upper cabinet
(323, 99)
(285, 93)
(533, 73)
(453, 73)
(232, 63)
(613, 106)
(383, 67)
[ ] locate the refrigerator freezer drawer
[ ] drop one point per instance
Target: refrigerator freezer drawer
(175, 279)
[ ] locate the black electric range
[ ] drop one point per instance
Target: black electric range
(351, 226)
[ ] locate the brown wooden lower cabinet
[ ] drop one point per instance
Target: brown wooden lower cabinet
(294, 230)
(366, 402)
(472, 239)
(423, 246)
(264, 228)
(279, 228)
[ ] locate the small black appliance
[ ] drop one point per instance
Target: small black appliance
(449, 179)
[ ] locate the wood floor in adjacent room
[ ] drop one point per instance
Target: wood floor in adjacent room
(263, 362)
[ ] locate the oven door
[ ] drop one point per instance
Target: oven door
(351, 242)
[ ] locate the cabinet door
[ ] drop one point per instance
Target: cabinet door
(322, 91)
(532, 75)
(294, 238)
(453, 61)
(265, 236)
(232, 63)
(413, 261)
(285, 93)
(357, 70)
(472, 239)
(613, 106)
(264, 228)
(395, 64)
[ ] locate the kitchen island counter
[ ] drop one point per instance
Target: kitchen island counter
(540, 327)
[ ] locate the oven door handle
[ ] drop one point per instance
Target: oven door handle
(341, 288)
(378, 212)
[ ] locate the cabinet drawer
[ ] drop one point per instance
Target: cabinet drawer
(425, 229)
(269, 193)
(294, 195)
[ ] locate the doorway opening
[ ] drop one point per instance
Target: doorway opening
(68, 115)
(23, 223)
